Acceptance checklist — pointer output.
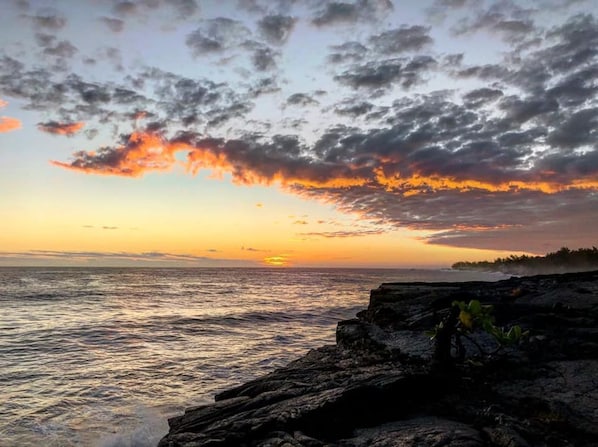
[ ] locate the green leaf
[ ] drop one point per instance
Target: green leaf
(475, 307)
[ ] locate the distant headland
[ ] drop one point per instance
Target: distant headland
(561, 261)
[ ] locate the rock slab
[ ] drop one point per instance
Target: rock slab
(376, 386)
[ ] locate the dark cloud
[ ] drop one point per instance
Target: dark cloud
(251, 6)
(347, 52)
(202, 44)
(57, 128)
(23, 5)
(537, 223)
(482, 96)
(52, 47)
(507, 19)
(171, 100)
(184, 8)
(301, 99)
(339, 12)
(401, 40)
(113, 24)
(575, 44)
(216, 35)
(49, 19)
(471, 168)
(405, 72)
(354, 108)
(125, 8)
(264, 86)
(440, 9)
(276, 29)
(140, 9)
(579, 129)
(486, 72)
(263, 58)
(521, 110)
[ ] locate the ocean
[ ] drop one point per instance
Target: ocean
(101, 357)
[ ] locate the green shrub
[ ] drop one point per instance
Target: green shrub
(463, 320)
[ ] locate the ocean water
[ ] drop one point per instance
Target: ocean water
(101, 357)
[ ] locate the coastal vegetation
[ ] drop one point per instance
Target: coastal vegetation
(462, 321)
(561, 261)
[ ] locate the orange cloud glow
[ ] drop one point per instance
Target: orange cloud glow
(143, 152)
(7, 124)
(147, 151)
(67, 129)
(417, 184)
(219, 163)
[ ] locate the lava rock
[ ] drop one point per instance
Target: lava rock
(377, 386)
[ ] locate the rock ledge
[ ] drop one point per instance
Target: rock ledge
(376, 386)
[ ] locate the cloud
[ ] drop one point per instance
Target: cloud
(255, 250)
(482, 96)
(263, 57)
(347, 52)
(57, 128)
(98, 258)
(125, 8)
(301, 99)
(7, 123)
(401, 40)
(353, 109)
(184, 8)
(217, 35)
(167, 99)
(406, 72)
(48, 18)
(141, 153)
(276, 29)
(115, 25)
(466, 167)
(507, 19)
(343, 234)
(51, 47)
(339, 12)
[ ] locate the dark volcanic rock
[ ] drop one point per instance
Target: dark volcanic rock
(376, 387)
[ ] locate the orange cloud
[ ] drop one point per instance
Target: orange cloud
(143, 152)
(7, 124)
(253, 164)
(417, 184)
(56, 128)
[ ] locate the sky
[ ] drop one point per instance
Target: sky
(306, 133)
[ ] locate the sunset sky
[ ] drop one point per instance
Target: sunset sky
(348, 133)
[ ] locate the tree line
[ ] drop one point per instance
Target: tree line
(563, 260)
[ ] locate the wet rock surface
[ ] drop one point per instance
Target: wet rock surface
(377, 386)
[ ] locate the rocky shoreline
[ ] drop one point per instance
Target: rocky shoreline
(377, 386)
